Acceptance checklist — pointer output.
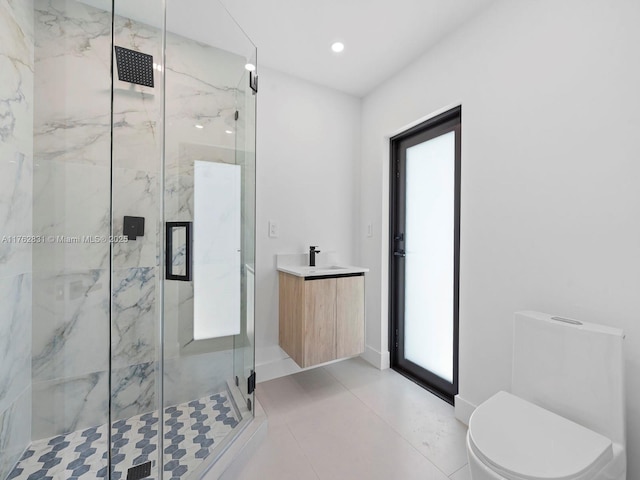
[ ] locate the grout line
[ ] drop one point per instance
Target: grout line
(409, 442)
(367, 407)
(302, 450)
(287, 421)
(466, 465)
(392, 427)
(351, 392)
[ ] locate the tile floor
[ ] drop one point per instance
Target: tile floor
(191, 430)
(351, 421)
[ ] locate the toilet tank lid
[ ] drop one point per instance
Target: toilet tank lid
(523, 440)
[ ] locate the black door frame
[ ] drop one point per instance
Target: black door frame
(446, 122)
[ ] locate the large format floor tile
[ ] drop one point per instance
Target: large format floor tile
(351, 421)
(424, 420)
(462, 474)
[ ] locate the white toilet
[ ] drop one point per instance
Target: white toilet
(565, 417)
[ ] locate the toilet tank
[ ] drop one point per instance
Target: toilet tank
(572, 368)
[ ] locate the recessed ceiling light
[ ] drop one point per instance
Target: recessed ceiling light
(199, 126)
(228, 131)
(337, 47)
(250, 66)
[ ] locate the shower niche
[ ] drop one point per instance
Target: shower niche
(117, 119)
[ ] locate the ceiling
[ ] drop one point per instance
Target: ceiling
(380, 36)
(294, 36)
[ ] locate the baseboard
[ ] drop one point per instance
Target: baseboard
(380, 360)
(463, 409)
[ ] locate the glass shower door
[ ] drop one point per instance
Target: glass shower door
(209, 198)
(245, 141)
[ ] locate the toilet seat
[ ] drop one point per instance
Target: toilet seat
(522, 441)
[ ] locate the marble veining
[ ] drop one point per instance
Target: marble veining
(134, 324)
(179, 197)
(178, 309)
(73, 85)
(64, 405)
(16, 177)
(75, 25)
(16, 65)
(137, 143)
(136, 193)
(15, 337)
(179, 251)
(133, 390)
(179, 179)
(195, 375)
(137, 132)
(71, 201)
(198, 93)
(15, 431)
(71, 319)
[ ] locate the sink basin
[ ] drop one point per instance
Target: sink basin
(320, 270)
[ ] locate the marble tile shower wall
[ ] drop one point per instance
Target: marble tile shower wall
(137, 154)
(16, 173)
(72, 197)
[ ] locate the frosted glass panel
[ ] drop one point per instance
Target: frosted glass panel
(216, 250)
(429, 262)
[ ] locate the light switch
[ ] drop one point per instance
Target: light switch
(273, 229)
(370, 230)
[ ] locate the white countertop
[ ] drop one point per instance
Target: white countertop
(321, 270)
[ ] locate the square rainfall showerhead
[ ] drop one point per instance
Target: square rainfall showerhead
(134, 67)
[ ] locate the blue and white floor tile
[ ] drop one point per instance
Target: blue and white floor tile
(191, 432)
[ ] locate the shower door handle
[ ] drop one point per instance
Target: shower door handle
(178, 257)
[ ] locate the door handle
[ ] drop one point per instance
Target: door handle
(401, 253)
(179, 247)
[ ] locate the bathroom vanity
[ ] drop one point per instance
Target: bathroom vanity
(321, 312)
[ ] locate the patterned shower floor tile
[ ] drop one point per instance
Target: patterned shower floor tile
(191, 431)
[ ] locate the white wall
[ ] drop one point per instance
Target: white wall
(550, 219)
(308, 143)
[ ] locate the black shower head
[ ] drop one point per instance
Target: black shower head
(134, 67)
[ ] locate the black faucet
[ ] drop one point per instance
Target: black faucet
(312, 256)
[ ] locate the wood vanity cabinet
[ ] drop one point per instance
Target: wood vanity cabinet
(321, 319)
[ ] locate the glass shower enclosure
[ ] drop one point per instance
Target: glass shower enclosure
(127, 237)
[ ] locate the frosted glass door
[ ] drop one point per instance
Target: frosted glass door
(428, 294)
(424, 283)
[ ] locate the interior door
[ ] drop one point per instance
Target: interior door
(424, 253)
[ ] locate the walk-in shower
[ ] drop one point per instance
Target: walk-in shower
(127, 207)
